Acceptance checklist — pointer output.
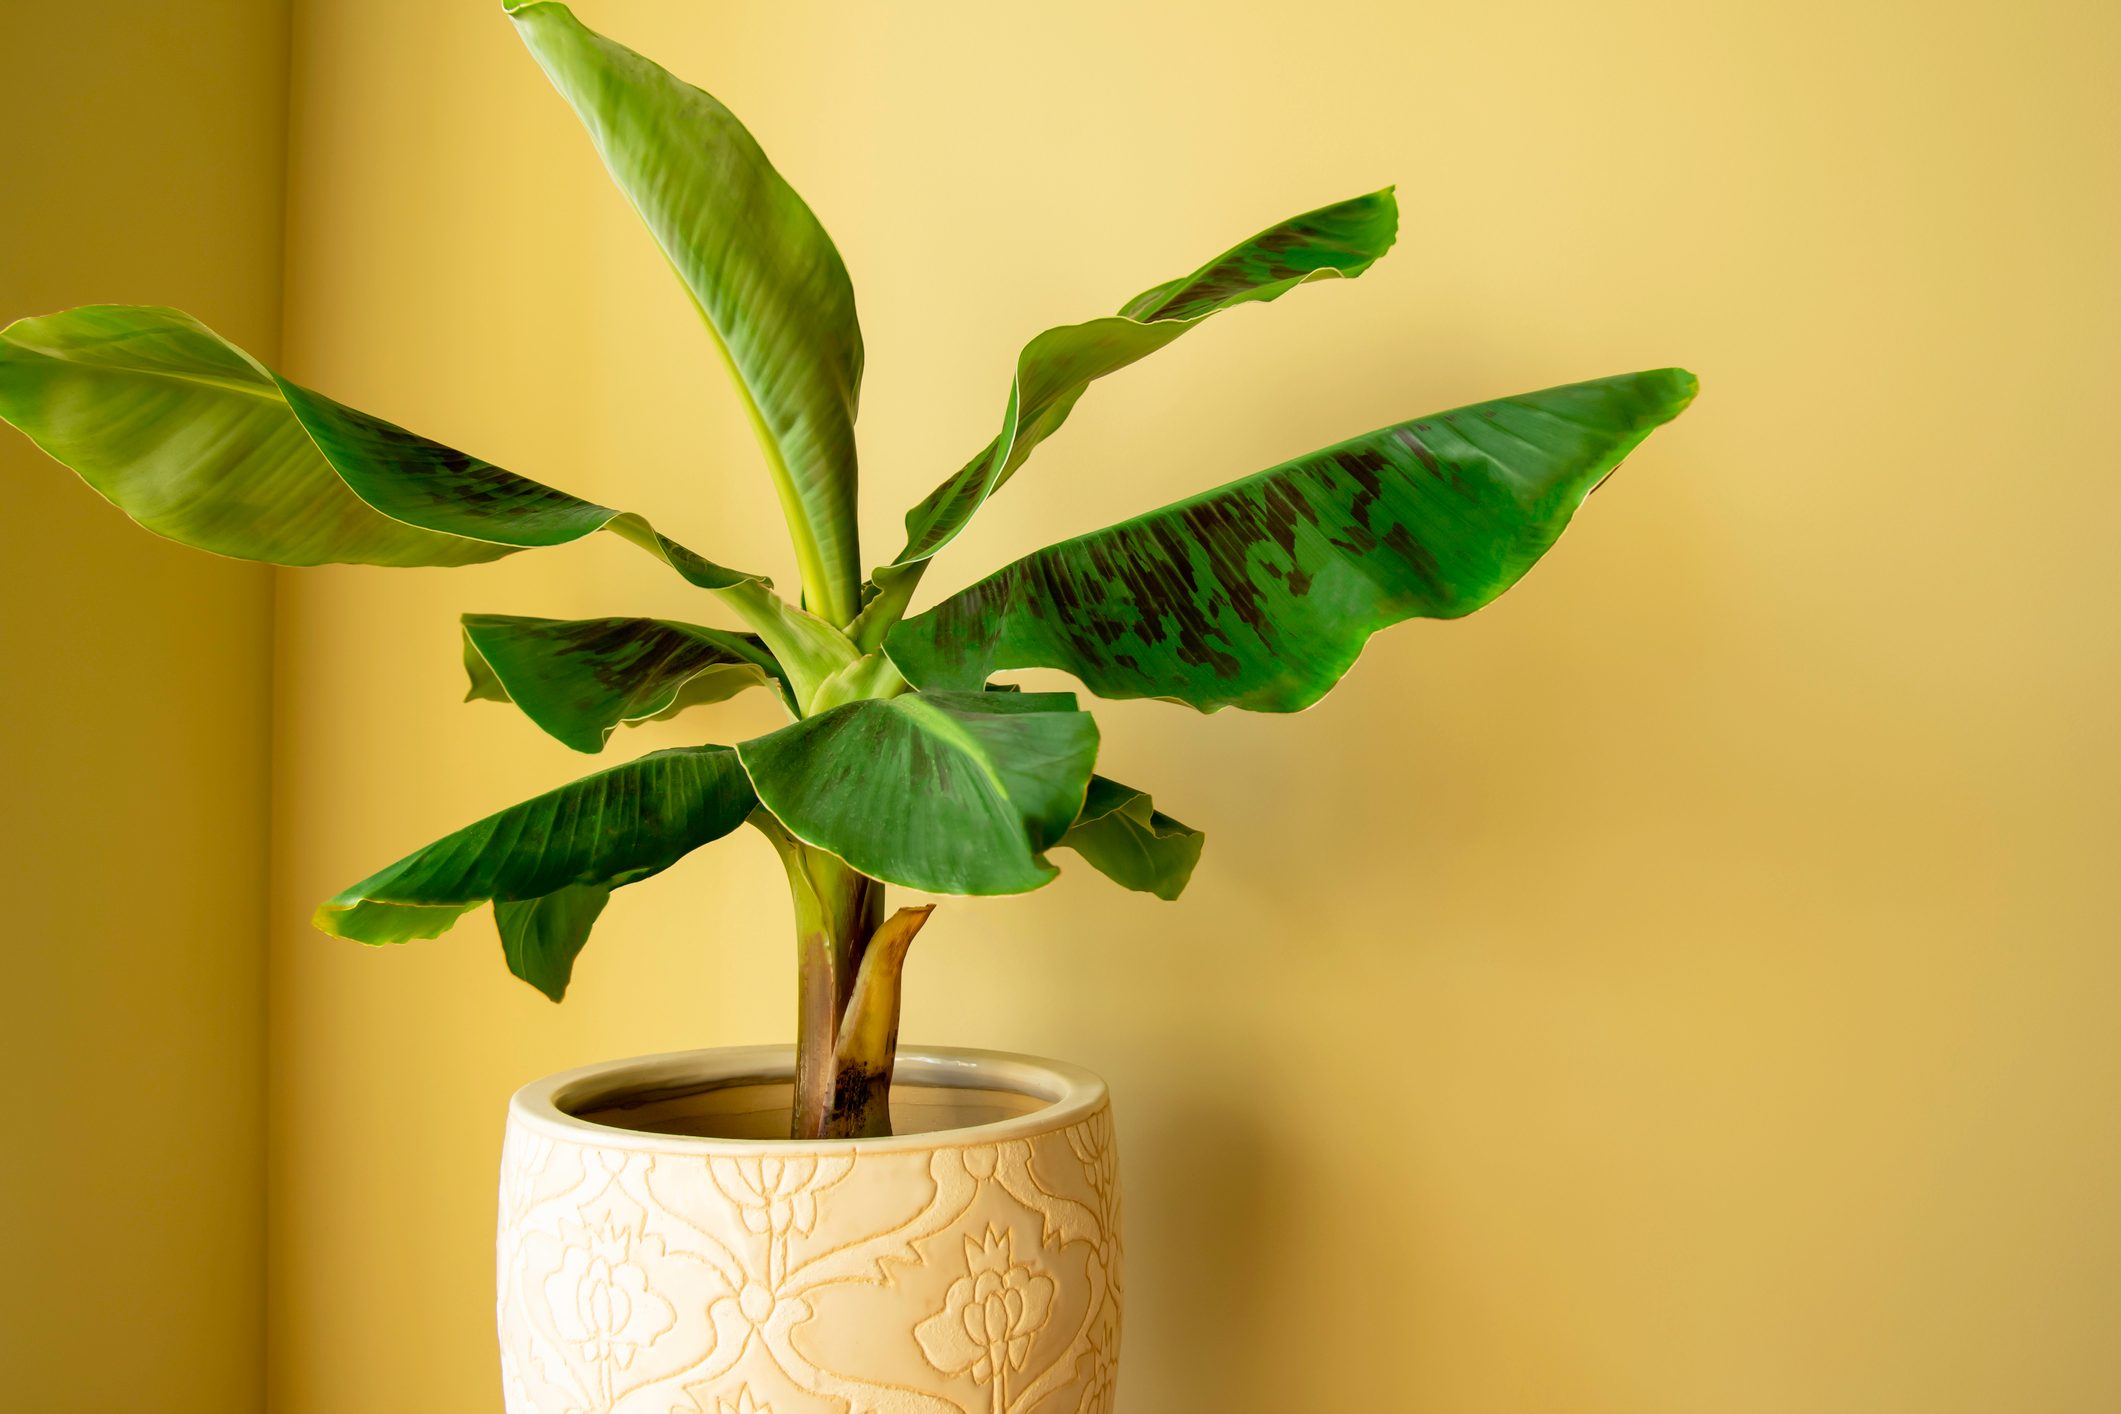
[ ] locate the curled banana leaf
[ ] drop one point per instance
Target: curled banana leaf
(1127, 839)
(580, 679)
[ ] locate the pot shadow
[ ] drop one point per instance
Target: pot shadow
(1206, 1257)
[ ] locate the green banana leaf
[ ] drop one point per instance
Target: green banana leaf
(760, 269)
(541, 937)
(1056, 368)
(598, 833)
(1261, 594)
(580, 679)
(1127, 839)
(949, 793)
(198, 441)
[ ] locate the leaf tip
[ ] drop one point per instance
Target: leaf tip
(339, 917)
(1672, 390)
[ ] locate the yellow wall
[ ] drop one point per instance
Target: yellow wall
(1688, 986)
(144, 164)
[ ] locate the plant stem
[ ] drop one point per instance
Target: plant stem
(836, 910)
(848, 963)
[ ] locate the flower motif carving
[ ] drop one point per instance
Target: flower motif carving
(601, 1302)
(776, 1196)
(990, 1315)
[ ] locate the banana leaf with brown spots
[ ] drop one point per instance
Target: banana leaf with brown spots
(1262, 593)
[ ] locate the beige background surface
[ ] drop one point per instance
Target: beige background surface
(1686, 986)
(143, 165)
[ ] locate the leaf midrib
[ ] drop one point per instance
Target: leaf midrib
(263, 391)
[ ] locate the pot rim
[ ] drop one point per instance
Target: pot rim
(1073, 1094)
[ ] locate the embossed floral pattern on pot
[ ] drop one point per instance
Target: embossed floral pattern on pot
(600, 1300)
(962, 1272)
(989, 1315)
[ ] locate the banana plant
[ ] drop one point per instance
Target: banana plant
(905, 762)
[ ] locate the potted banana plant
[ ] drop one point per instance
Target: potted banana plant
(786, 1229)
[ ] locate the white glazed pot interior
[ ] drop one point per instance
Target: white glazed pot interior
(740, 1098)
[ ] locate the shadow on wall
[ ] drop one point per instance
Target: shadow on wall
(1224, 1233)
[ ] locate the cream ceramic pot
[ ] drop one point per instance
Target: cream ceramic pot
(662, 1253)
